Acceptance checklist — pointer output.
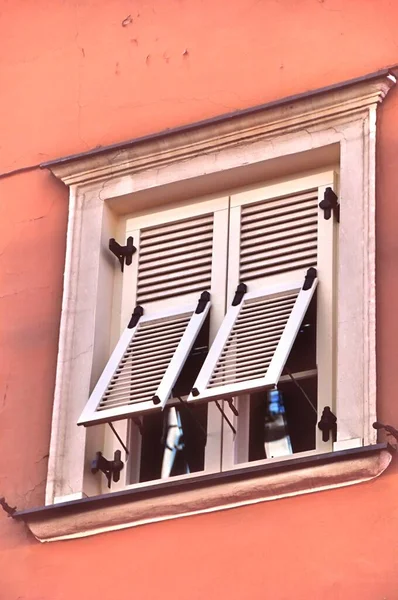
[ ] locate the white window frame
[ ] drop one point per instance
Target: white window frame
(217, 154)
(223, 449)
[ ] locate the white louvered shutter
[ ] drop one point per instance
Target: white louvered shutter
(145, 364)
(175, 259)
(254, 341)
(178, 260)
(278, 231)
(279, 235)
(181, 251)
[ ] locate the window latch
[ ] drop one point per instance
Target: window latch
(328, 425)
(330, 204)
(110, 468)
(123, 253)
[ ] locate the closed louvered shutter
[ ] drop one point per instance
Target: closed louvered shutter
(279, 235)
(145, 364)
(175, 259)
(253, 342)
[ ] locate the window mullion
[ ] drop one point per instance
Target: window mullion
(231, 443)
(213, 453)
(326, 317)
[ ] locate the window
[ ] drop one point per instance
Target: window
(229, 327)
(257, 152)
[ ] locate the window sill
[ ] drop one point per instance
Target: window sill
(206, 493)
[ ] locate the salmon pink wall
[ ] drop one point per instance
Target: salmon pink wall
(79, 74)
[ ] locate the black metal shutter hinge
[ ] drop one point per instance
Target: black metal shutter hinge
(202, 302)
(110, 468)
(328, 425)
(309, 278)
(240, 292)
(135, 317)
(123, 253)
(330, 204)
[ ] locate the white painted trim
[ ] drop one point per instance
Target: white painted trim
(326, 314)
(347, 444)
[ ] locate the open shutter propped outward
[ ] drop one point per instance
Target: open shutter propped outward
(254, 340)
(145, 364)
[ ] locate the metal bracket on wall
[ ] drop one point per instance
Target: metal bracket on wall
(389, 429)
(123, 253)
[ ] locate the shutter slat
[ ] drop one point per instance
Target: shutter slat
(259, 326)
(175, 246)
(197, 223)
(272, 305)
(170, 265)
(299, 248)
(268, 226)
(175, 259)
(277, 241)
(173, 289)
(166, 336)
(274, 217)
(279, 235)
(256, 207)
(134, 378)
(172, 254)
(248, 343)
(245, 360)
(158, 276)
(262, 317)
(154, 354)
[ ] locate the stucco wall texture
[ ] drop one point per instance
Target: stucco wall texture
(80, 74)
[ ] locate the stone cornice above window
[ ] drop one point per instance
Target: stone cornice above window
(276, 118)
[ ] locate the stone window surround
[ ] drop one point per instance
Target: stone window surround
(112, 181)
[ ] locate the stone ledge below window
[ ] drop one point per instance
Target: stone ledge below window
(206, 493)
